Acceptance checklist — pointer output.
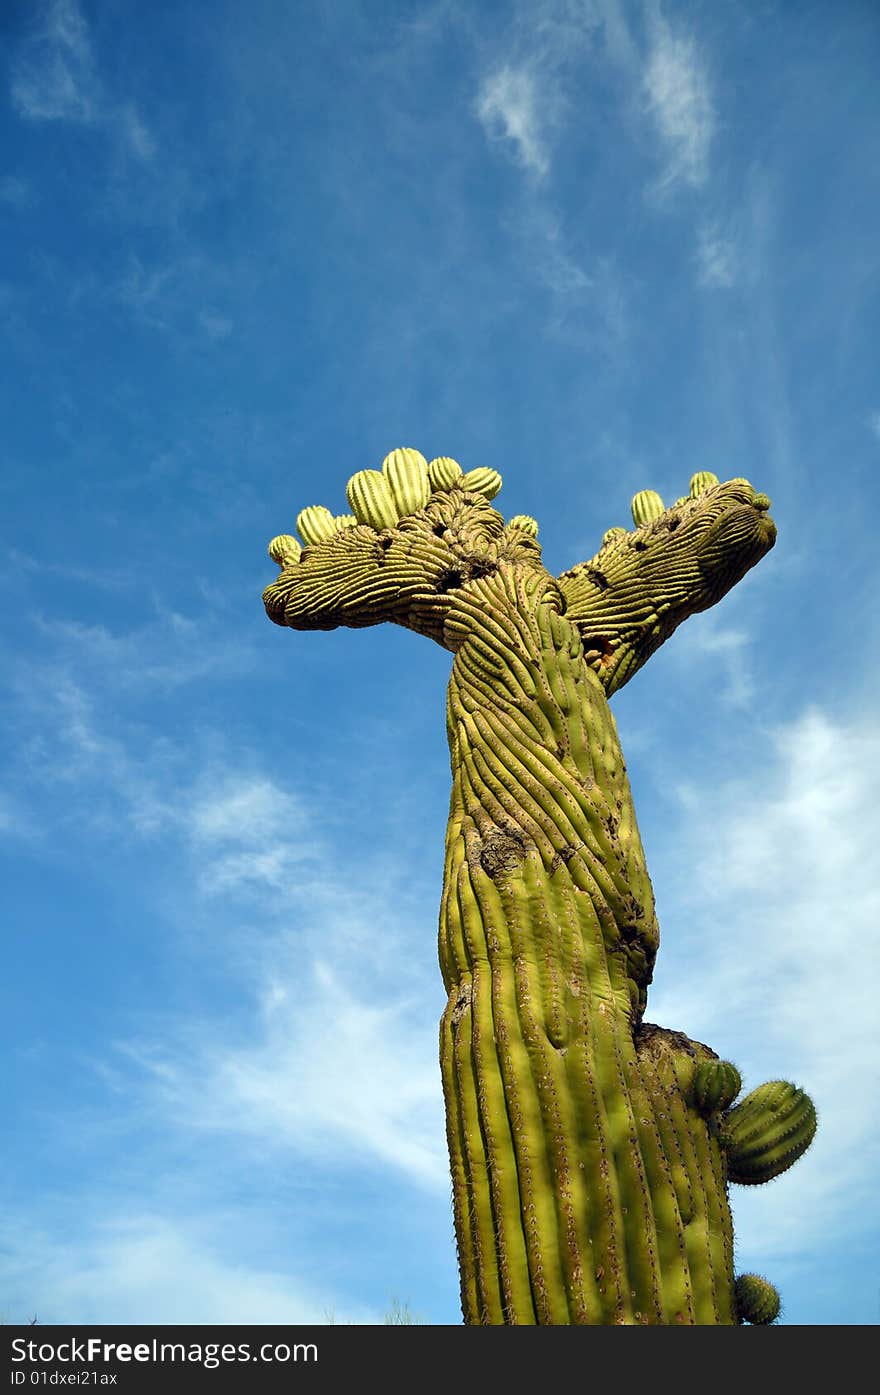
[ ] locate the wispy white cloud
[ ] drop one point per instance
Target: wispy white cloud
(216, 327)
(142, 1266)
(678, 96)
(253, 860)
(15, 192)
(166, 652)
(367, 1090)
(139, 137)
(170, 296)
(240, 831)
(587, 306)
(770, 955)
(55, 78)
(521, 102)
(717, 257)
(727, 647)
(508, 105)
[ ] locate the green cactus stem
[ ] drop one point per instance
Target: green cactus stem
(444, 472)
(589, 1184)
(482, 481)
(316, 523)
(611, 533)
(646, 506)
(757, 1301)
(716, 1085)
(767, 1132)
(371, 501)
(701, 481)
(285, 549)
(407, 474)
(525, 523)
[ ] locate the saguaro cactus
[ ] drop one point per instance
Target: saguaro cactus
(590, 1151)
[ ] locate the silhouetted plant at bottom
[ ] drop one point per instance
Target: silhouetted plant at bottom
(590, 1151)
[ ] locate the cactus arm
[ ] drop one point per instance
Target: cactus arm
(405, 574)
(641, 584)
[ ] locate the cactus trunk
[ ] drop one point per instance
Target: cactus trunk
(587, 1187)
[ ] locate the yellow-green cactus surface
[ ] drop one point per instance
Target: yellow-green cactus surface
(590, 1152)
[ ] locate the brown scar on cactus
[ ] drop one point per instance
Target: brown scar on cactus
(590, 1151)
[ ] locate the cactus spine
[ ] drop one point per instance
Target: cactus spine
(590, 1151)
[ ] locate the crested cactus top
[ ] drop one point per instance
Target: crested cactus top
(420, 530)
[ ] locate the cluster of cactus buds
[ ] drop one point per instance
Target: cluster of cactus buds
(381, 498)
(648, 505)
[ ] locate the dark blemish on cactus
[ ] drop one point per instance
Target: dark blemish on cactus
(462, 1003)
(500, 853)
(480, 566)
(439, 530)
(640, 546)
(598, 578)
(672, 523)
(598, 648)
(448, 580)
(563, 856)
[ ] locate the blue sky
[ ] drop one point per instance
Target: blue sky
(248, 250)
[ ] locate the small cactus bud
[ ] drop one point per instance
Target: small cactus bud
(315, 523)
(767, 1132)
(701, 481)
(285, 549)
(406, 471)
(646, 505)
(611, 533)
(482, 481)
(757, 1300)
(443, 472)
(345, 520)
(370, 500)
(716, 1085)
(525, 523)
